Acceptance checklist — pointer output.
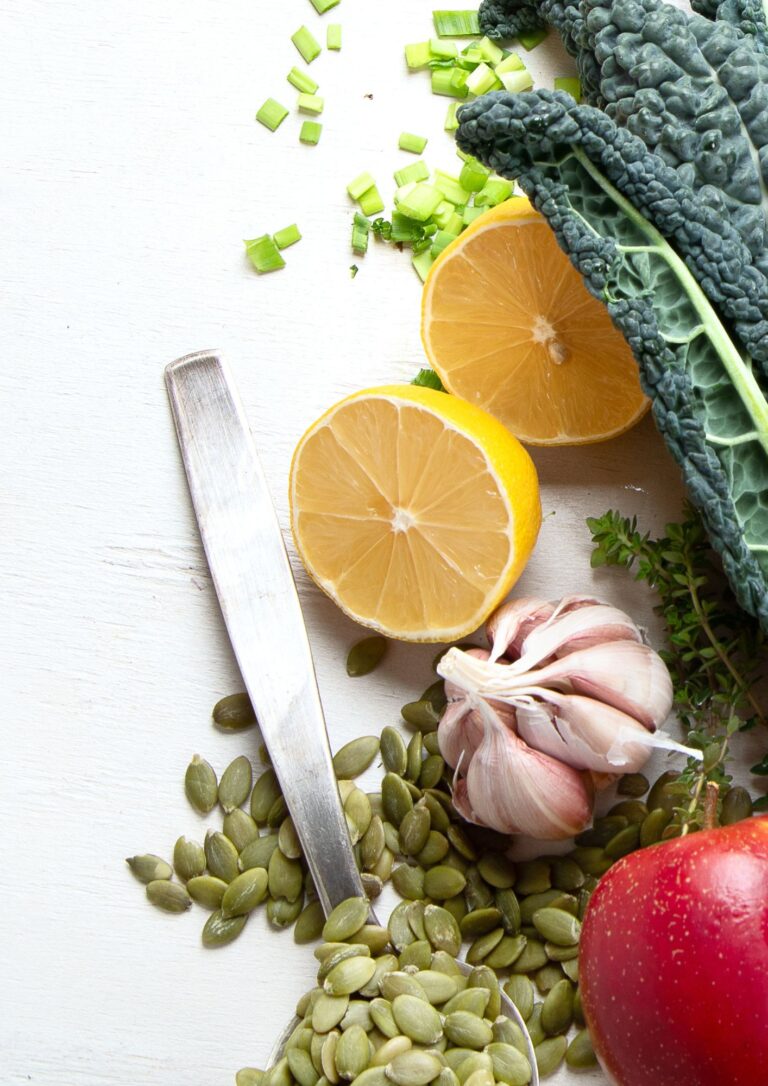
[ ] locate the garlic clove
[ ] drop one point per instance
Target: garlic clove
(590, 624)
(459, 733)
(513, 621)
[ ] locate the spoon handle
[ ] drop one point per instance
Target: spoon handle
(257, 594)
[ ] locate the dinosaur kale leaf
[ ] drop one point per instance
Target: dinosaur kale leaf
(750, 16)
(619, 214)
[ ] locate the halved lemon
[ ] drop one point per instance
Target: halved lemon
(414, 510)
(508, 324)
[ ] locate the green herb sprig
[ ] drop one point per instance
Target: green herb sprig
(715, 650)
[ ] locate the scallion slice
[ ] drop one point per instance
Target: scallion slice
(303, 82)
(307, 45)
(516, 82)
(482, 80)
(456, 24)
(310, 132)
(450, 187)
(420, 203)
(409, 142)
(493, 192)
(512, 63)
(357, 187)
(441, 240)
(490, 51)
(360, 231)
(451, 122)
(570, 85)
(422, 262)
(530, 39)
(416, 171)
(271, 114)
(443, 50)
(333, 37)
(469, 214)
(264, 254)
(310, 103)
(289, 235)
(417, 55)
(450, 81)
(371, 202)
(473, 175)
(321, 6)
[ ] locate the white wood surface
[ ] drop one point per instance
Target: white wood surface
(132, 170)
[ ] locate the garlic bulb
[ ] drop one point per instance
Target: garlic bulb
(579, 697)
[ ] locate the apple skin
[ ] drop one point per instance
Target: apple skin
(673, 961)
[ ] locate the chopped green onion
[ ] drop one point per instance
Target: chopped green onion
(450, 81)
(420, 203)
(417, 55)
(471, 57)
(428, 379)
(441, 240)
(333, 37)
(353, 270)
(445, 50)
(473, 175)
(310, 132)
(264, 254)
(451, 122)
(570, 85)
(531, 38)
(456, 24)
(493, 192)
(289, 235)
(409, 142)
(360, 230)
(404, 230)
(310, 103)
(482, 80)
(455, 224)
(469, 214)
(301, 81)
(416, 171)
(512, 63)
(450, 187)
(306, 44)
(443, 213)
(271, 114)
(516, 82)
(371, 202)
(490, 50)
(422, 262)
(357, 187)
(321, 6)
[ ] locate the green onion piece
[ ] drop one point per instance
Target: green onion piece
(471, 57)
(443, 50)
(428, 379)
(353, 270)
(409, 142)
(321, 6)
(360, 231)
(357, 187)
(441, 240)
(493, 192)
(289, 235)
(455, 224)
(450, 187)
(271, 114)
(530, 39)
(456, 24)
(442, 214)
(416, 171)
(310, 103)
(306, 44)
(450, 81)
(422, 262)
(404, 230)
(451, 123)
(473, 175)
(420, 203)
(371, 202)
(301, 81)
(490, 50)
(469, 214)
(310, 132)
(512, 63)
(436, 65)
(482, 80)
(333, 37)
(264, 254)
(570, 85)
(417, 55)
(515, 82)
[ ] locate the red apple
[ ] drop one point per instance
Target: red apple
(673, 961)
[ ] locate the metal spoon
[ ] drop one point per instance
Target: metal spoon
(260, 605)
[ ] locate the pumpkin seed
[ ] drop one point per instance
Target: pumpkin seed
(399, 983)
(328, 1056)
(440, 817)
(282, 913)
(385, 963)
(309, 924)
(396, 798)
(245, 892)
(653, 825)
(477, 893)
(366, 655)
(533, 957)
(414, 830)
(470, 1064)
(200, 785)
(507, 1032)
(219, 930)
(372, 885)
(393, 751)
(432, 769)
(418, 955)
(347, 918)
(520, 991)
(634, 810)
(249, 1076)
(533, 1025)
(481, 1077)
(169, 896)
(421, 715)
(736, 806)
(509, 907)
(372, 843)
(548, 976)
(435, 848)
(391, 1048)
(483, 977)
(507, 951)
(557, 926)
(265, 791)
(410, 882)
(234, 713)
(279, 1075)
(349, 975)
(660, 796)
(240, 828)
(497, 871)
(566, 874)
(592, 861)
(633, 784)
(442, 930)
(258, 852)
(442, 882)
(338, 952)
(580, 1054)
(602, 831)
(301, 1066)
(533, 877)
(554, 899)
(328, 1011)
(207, 890)
(482, 947)
(372, 1076)
(571, 969)
(400, 931)
(383, 869)
(561, 953)
(578, 1010)
(221, 856)
(414, 1068)
(417, 1019)
(384, 1020)
(354, 757)
(431, 742)
(277, 812)
(625, 841)
(456, 906)
(509, 1065)
(461, 842)
(439, 987)
(286, 878)
(352, 1054)
(550, 1054)
(467, 1030)
(446, 963)
(235, 783)
(413, 762)
(375, 937)
(150, 868)
(447, 1077)
(474, 1000)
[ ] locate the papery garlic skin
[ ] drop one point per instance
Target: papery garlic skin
(511, 623)
(570, 631)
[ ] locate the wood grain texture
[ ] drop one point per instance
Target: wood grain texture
(133, 169)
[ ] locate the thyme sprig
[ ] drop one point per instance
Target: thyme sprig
(715, 651)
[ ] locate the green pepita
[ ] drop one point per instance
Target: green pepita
(309, 924)
(366, 655)
(399, 983)
(509, 1065)
(432, 768)
(200, 785)
(372, 843)
(288, 840)
(566, 874)
(396, 798)
(169, 896)
(286, 878)
(417, 1019)
(383, 1019)
(467, 1030)
(245, 892)
(442, 882)
(207, 890)
(550, 1054)
(235, 783)
(557, 926)
(414, 754)
(352, 1054)
(258, 852)
(400, 930)
(349, 976)
(474, 1000)
(234, 713)
(653, 826)
(394, 754)
(346, 919)
(359, 812)
(557, 1009)
(265, 791)
(435, 849)
(417, 955)
(301, 1066)
(533, 957)
(414, 1068)
(482, 946)
(507, 951)
(354, 757)
(439, 987)
(391, 1048)
(533, 877)
(219, 930)
(509, 907)
(282, 913)
(442, 930)
(240, 828)
(414, 830)
(497, 871)
(520, 991)
(736, 806)
(221, 856)
(580, 1054)
(249, 1076)
(421, 715)
(624, 842)
(150, 868)
(328, 1011)
(410, 882)
(634, 785)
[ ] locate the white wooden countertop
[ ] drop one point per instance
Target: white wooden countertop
(133, 169)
